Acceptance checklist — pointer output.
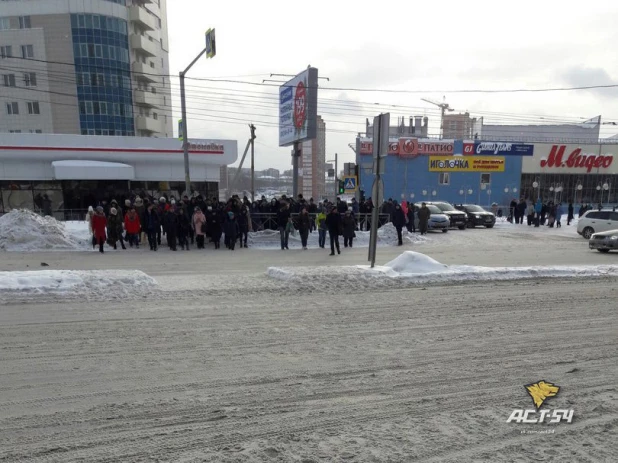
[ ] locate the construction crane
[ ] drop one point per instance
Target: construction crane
(444, 106)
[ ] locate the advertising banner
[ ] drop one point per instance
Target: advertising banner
(412, 147)
(466, 164)
(571, 159)
(499, 149)
(298, 108)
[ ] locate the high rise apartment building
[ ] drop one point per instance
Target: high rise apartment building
(312, 182)
(90, 67)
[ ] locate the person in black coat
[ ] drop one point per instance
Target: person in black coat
(243, 225)
(183, 226)
(283, 217)
(214, 225)
(334, 225)
(170, 220)
(349, 229)
(231, 230)
(571, 212)
(399, 221)
(304, 225)
(152, 224)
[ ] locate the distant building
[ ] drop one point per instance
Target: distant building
(586, 132)
(460, 126)
(312, 183)
(418, 127)
(274, 173)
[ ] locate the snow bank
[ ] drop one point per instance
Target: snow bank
(413, 267)
(23, 230)
(387, 236)
(75, 283)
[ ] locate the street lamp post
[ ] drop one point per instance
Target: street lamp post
(606, 187)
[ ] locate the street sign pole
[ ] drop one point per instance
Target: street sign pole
(210, 50)
(381, 127)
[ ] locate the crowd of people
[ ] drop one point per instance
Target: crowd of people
(190, 222)
(541, 213)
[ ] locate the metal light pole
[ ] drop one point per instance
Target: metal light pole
(211, 51)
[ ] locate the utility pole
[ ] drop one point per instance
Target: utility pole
(296, 152)
(252, 128)
(210, 51)
(336, 178)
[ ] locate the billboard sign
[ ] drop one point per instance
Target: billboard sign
(298, 108)
(571, 159)
(491, 148)
(466, 164)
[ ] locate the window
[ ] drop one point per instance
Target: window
(35, 131)
(96, 107)
(88, 107)
(14, 131)
(27, 51)
(98, 51)
(9, 80)
(155, 116)
(12, 108)
(6, 51)
(445, 178)
(81, 21)
(83, 50)
(103, 106)
(33, 107)
(5, 23)
(485, 179)
(82, 109)
(24, 22)
(30, 79)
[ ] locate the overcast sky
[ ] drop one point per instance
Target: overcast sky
(426, 46)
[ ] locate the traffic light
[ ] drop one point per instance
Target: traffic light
(340, 187)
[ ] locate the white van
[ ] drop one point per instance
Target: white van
(597, 221)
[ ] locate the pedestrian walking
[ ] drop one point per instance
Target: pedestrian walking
(334, 225)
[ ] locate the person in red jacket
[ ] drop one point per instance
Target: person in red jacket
(132, 227)
(99, 225)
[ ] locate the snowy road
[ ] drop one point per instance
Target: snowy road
(401, 375)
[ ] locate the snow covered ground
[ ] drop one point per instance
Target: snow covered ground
(416, 268)
(83, 284)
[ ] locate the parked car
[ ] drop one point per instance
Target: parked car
(477, 216)
(437, 220)
(604, 241)
(597, 221)
(457, 218)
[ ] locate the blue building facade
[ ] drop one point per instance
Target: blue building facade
(410, 177)
(103, 74)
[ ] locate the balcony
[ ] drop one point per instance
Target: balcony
(142, 44)
(146, 98)
(143, 71)
(147, 124)
(140, 15)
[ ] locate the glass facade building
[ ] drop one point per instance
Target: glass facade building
(103, 75)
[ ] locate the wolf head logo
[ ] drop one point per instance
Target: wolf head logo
(541, 391)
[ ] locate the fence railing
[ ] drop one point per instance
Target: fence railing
(259, 221)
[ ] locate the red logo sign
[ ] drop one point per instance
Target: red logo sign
(408, 147)
(300, 106)
(576, 159)
(468, 149)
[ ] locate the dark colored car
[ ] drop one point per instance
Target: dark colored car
(457, 218)
(604, 241)
(477, 216)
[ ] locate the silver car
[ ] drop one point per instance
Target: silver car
(604, 241)
(437, 220)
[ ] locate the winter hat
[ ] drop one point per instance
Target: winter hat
(127, 202)
(90, 209)
(99, 208)
(114, 201)
(138, 201)
(230, 215)
(161, 199)
(209, 208)
(173, 201)
(113, 211)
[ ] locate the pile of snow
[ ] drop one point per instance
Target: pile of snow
(413, 267)
(387, 236)
(81, 283)
(23, 230)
